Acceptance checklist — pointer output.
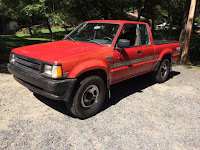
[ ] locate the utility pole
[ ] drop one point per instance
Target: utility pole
(1, 23)
(184, 56)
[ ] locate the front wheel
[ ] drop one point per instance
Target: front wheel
(162, 74)
(89, 97)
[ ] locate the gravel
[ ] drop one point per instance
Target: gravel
(140, 115)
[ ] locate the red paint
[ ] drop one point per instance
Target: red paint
(79, 57)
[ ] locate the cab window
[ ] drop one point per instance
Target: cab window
(137, 34)
(145, 39)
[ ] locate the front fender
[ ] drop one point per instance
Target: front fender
(88, 65)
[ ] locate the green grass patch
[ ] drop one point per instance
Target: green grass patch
(58, 32)
(23, 38)
(54, 30)
(13, 41)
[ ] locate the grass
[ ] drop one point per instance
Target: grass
(41, 35)
(13, 41)
(37, 31)
(20, 39)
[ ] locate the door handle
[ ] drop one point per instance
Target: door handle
(139, 51)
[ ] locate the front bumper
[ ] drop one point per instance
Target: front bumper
(54, 89)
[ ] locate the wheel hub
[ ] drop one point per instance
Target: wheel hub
(90, 96)
(164, 70)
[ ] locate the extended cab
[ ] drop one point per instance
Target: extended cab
(80, 69)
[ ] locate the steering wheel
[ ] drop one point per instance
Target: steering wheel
(107, 38)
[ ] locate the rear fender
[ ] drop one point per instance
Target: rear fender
(165, 52)
(159, 59)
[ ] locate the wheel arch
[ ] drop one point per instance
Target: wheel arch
(164, 56)
(165, 53)
(98, 72)
(167, 56)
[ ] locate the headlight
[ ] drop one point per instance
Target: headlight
(12, 58)
(48, 69)
(53, 71)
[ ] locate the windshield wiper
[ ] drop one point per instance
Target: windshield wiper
(69, 38)
(95, 42)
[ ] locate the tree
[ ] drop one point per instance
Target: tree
(29, 10)
(170, 14)
(186, 31)
(32, 11)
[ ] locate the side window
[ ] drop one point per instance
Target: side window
(137, 34)
(144, 33)
(129, 32)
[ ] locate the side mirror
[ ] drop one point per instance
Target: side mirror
(123, 43)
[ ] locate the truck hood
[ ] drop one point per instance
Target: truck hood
(53, 51)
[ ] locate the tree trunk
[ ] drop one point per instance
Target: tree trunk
(170, 18)
(2, 22)
(29, 27)
(2, 48)
(146, 12)
(184, 56)
(184, 25)
(153, 17)
(153, 25)
(139, 14)
(30, 31)
(49, 27)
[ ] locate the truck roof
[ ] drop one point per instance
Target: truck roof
(115, 21)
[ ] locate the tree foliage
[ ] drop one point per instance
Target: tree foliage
(72, 12)
(76, 11)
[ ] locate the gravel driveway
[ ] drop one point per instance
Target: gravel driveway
(140, 115)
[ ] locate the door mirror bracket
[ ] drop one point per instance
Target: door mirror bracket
(121, 44)
(121, 50)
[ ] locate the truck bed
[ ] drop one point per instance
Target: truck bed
(159, 42)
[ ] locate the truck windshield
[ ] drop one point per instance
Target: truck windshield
(98, 33)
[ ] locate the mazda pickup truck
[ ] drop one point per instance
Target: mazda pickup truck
(80, 69)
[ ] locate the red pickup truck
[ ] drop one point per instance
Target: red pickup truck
(81, 68)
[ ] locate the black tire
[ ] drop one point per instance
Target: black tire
(89, 97)
(162, 74)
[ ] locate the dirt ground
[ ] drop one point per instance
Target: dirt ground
(140, 115)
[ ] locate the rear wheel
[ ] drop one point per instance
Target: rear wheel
(163, 72)
(89, 97)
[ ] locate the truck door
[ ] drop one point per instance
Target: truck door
(123, 66)
(136, 59)
(147, 50)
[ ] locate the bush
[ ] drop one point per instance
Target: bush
(194, 51)
(2, 48)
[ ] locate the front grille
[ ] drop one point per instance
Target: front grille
(27, 63)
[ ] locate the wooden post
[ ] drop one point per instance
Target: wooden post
(184, 56)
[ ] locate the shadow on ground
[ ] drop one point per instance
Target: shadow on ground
(118, 92)
(4, 69)
(131, 86)
(57, 105)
